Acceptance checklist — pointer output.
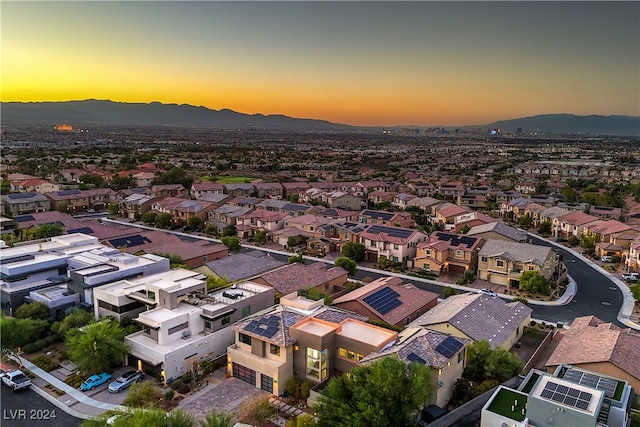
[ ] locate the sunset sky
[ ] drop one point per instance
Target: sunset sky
(361, 63)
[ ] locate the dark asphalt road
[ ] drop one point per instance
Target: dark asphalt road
(596, 294)
(27, 409)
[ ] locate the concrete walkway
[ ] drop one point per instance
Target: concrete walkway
(73, 402)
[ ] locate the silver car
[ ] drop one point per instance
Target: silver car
(124, 381)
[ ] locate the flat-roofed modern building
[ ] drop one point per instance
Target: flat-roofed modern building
(104, 265)
(57, 298)
(568, 397)
(37, 265)
(182, 323)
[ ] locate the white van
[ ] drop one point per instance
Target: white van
(606, 258)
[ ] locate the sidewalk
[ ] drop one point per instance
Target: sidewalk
(73, 402)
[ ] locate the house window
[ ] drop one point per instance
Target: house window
(342, 352)
(426, 267)
(484, 259)
(246, 311)
(395, 259)
(458, 253)
(428, 252)
(500, 263)
(244, 339)
(226, 319)
(316, 364)
(395, 246)
(531, 268)
(207, 325)
(146, 330)
(373, 244)
(151, 295)
(178, 328)
(461, 356)
(274, 349)
(346, 236)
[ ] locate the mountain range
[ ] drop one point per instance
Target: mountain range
(105, 112)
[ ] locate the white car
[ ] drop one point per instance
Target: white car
(488, 292)
(631, 277)
(606, 258)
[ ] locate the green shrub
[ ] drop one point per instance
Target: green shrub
(32, 347)
(175, 384)
(184, 389)
(186, 378)
(74, 380)
(46, 363)
(169, 395)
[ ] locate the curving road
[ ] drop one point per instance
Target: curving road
(596, 294)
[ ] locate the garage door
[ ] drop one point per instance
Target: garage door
(456, 269)
(245, 374)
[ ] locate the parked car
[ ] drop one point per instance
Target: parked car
(124, 381)
(15, 379)
(488, 292)
(606, 258)
(91, 210)
(631, 277)
(94, 381)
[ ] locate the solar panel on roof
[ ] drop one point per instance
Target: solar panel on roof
(449, 347)
(415, 358)
(21, 196)
(129, 241)
(265, 326)
(391, 231)
(566, 395)
(23, 218)
(68, 192)
(607, 385)
(85, 230)
(384, 300)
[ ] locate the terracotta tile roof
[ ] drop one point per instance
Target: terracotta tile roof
(577, 218)
(294, 277)
(514, 251)
(451, 210)
(609, 227)
(590, 340)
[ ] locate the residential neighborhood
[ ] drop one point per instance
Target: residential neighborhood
(275, 282)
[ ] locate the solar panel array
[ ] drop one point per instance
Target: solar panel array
(130, 241)
(23, 218)
(266, 326)
(85, 230)
(415, 358)
(457, 240)
(378, 214)
(449, 347)
(384, 300)
(21, 196)
(566, 395)
(607, 385)
(400, 233)
(68, 192)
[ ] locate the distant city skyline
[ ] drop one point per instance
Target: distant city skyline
(360, 63)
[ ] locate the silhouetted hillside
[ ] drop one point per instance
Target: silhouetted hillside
(93, 111)
(572, 124)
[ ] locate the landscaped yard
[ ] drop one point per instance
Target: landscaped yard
(234, 179)
(505, 400)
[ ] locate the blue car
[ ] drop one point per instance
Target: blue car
(94, 381)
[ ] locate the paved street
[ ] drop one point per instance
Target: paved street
(27, 409)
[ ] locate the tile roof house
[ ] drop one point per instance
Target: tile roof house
(296, 276)
(396, 219)
(193, 253)
(498, 230)
(269, 190)
(605, 212)
(401, 200)
(199, 189)
(378, 196)
(447, 213)
(600, 347)
(22, 203)
(443, 353)
(225, 215)
(135, 205)
(242, 266)
(388, 300)
(79, 200)
(478, 317)
(182, 210)
(169, 190)
(448, 253)
(241, 189)
(572, 224)
(502, 262)
(395, 244)
(303, 339)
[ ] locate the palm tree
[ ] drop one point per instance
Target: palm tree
(217, 419)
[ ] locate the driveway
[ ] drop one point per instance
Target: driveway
(226, 396)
